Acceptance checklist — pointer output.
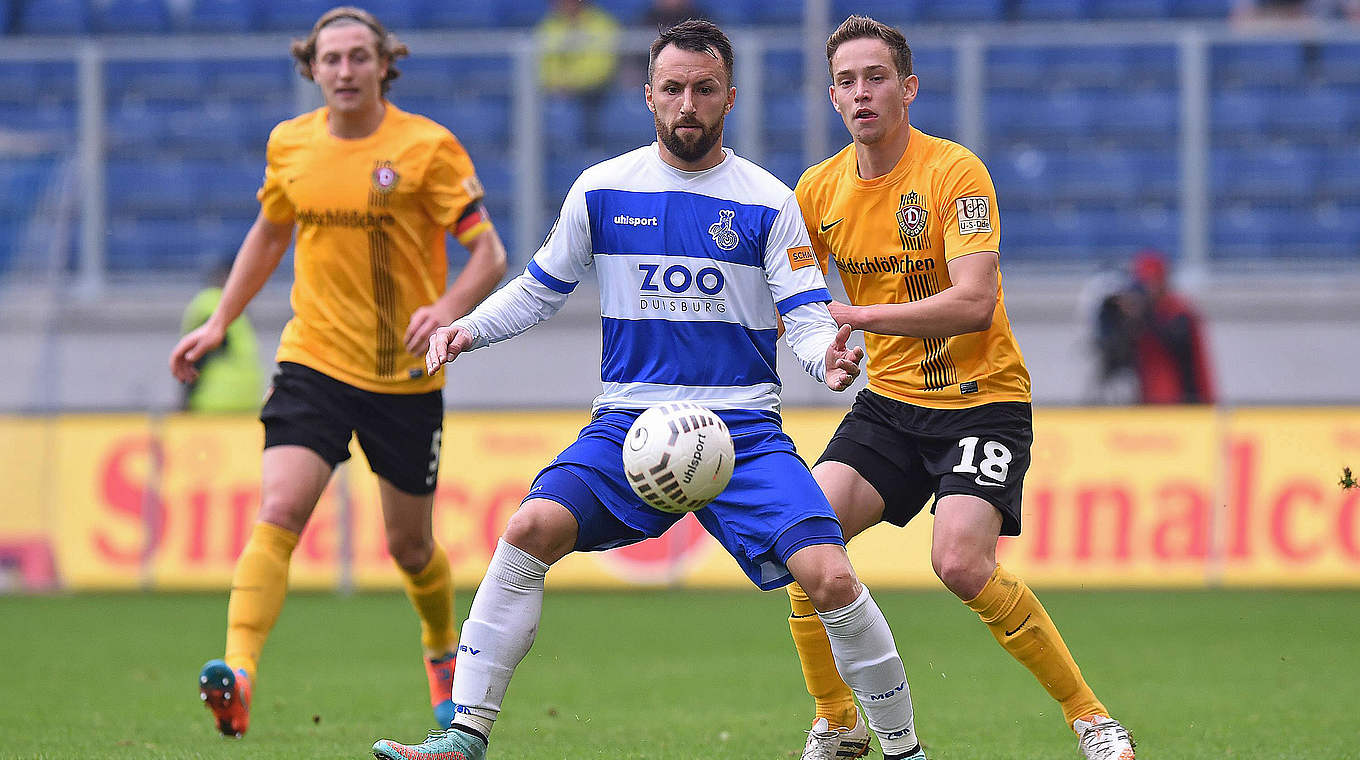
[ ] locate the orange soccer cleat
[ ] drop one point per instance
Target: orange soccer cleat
(227, 695)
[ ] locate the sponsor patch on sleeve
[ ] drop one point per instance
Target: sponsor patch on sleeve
(975, 214)
(801, 256)
(473, 187)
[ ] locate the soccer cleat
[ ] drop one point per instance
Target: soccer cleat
(1103, 738)
(827, 743)
(445, 744)
(440, 674)
(227, 695)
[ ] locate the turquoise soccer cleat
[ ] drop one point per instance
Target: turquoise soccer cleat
(446, 744)
(227, 695)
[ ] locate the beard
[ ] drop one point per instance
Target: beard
(694, 148)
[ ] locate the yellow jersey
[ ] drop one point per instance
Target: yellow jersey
(892, 238)
(371, 215)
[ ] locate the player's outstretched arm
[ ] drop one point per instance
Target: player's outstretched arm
(258, 257)
(485, 267)
(445, 345)
(842, 362)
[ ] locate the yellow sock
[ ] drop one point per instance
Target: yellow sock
(431, 593)
(1022, 627)
(835, 702)
(257, 590)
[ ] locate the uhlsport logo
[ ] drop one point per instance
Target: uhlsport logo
(722, 231)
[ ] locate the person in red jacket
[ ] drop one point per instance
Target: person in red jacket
(1169, 352)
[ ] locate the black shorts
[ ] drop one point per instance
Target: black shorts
(400, 433)
(910, 453)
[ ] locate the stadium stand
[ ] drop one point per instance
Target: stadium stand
(1082, 139)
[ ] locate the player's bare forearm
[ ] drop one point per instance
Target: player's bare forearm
(965, 306)
(257, 258)
(485, 267)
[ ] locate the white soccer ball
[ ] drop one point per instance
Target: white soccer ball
(678, 456)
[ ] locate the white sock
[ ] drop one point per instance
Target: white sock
(862, 646)
(498, 633)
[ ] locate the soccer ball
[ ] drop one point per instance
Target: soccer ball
(678, 456)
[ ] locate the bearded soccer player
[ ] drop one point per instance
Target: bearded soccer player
(910, 220)
(686, 217)
(373, 192)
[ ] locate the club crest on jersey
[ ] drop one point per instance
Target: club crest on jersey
(384, 177)
(722, 231)
(911, 215)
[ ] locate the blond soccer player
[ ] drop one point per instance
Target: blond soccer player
(910, 220)
(372, 192)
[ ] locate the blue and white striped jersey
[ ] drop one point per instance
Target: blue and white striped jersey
(695, 269)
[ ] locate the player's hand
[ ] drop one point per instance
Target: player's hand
(192, 347)
(445, 346)
(424, 321)
(842, 362)
(843, 313)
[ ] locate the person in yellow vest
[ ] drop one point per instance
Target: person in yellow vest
(229, 377)
(910, 220)
(578, 58)
(373, 192)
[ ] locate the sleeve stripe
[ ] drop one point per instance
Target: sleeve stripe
(553, 283)
(808, 296)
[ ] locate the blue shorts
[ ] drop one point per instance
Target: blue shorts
(771, 509)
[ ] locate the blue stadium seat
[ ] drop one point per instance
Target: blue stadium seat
(132, 17)
(1248, 232)
(1022, 67)
(1129, 114)
(782, 71)
(19, 80)
(934, 66)
(297, 16)
(1341, 180)
(497, 176)
(626, 122)
(442, 14)
(226, 187)
(137, 128)
(154, 79)
(1326, 230)
(423, 77)
(933, 113)
(963, 11)
(1127, 229)
(1056, 234)
(147, 186)
(1206, 9)
(235, 16)
(1316, 113)
(7, 8)
(1339, 62)
(1287, 174)
(522, 13)
(1051, 10)
(1151, 65)
(54, 17)
(55, 117)
(1158, 173)
(252, 78)
(481, 124)
(625, 12)
(1128, 9)
(21, 183)
(784, 118)
(1254, 64)
(156, 243)
(787, 165)
(1088, 67)
(564, 127)
(1058, 116)
(399, 15)
(895, 12)
(1093, 175)
(1238, 113)
(1021, 176)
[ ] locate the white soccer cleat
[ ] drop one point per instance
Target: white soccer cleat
(1102, 738)
(827, 743)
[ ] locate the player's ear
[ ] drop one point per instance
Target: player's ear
(647, 95)
(731, 99)
(831, 93)
(911, 85)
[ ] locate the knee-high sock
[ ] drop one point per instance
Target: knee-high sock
(431, 593)
(835, 702)
(257, 590)
(867, 659)
(498, 633)
(1022, 627)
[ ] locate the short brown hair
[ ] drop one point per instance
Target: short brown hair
(697, 36)
(862, 27)
(389, 47)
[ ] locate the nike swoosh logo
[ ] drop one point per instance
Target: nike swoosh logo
(825, 227)
(990, 483)
(1022, 625)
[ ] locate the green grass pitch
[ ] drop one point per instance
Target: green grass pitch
(683, 676)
